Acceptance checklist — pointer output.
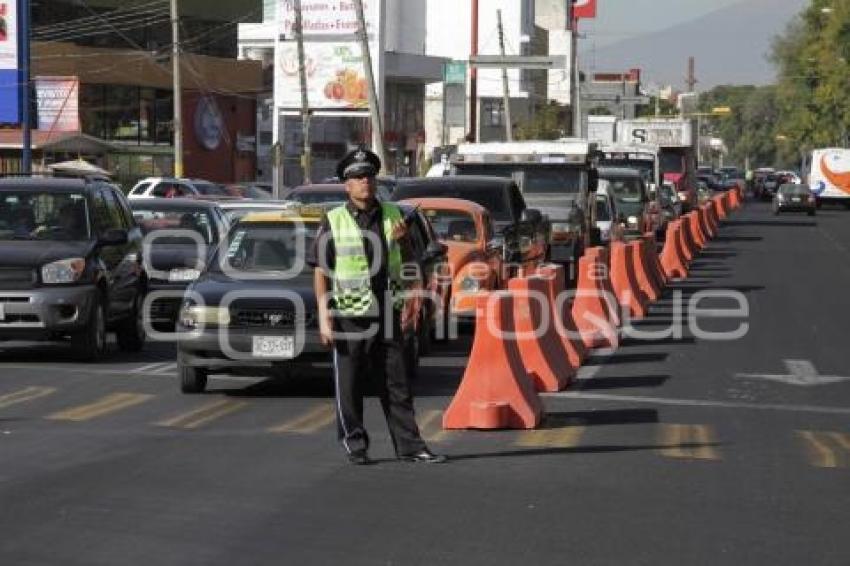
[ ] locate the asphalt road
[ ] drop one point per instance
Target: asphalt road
(670, 451)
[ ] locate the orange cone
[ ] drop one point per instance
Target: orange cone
(495, 391)
(624, 281)
(591, 311)
(562, 313)
(673, 259)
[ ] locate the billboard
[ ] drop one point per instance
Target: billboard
(58, 102)
(333, 57)
(9, 89)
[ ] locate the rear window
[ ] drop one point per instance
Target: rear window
(493, 198)
(210, 189)
(794, 189)
(151, 221)
(140, 189)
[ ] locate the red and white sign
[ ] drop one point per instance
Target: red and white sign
(584, 9)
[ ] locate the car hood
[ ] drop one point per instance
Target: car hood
(459, 254)
(556, 207)
(173, 256)
(29, 253)
(214, 287)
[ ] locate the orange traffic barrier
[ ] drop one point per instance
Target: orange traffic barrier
(540, 347)
(624, 280)
(721, 207)
(712, 213)
(645, 279)
(673, 260)
(653, 260)
(734, 199)
(705, 223)
(710, 218)
(697, 237)
(496, 391)
(592, 311)
(603, 258)
(689, 248)
(562, 313)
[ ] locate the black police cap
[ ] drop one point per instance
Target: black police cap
(359, 162)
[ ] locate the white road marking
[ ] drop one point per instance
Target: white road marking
(800, 372)
(700, 403)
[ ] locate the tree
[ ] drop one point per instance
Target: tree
(549, 122)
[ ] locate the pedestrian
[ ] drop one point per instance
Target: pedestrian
(358, 257)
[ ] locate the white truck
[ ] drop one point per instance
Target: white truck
(676, 140)
(645, 158)
(555, 177)
(829, 175)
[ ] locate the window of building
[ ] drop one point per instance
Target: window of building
(493, 113)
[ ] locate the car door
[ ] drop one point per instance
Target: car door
(133, 250)
(118, 269)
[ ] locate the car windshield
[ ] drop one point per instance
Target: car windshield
(645, 168)
(493, 198)
(178, 220)
(627, 189)
(34, 215)
(452, 225)
(210, 189)
(672, 163)
(269, 246)
(794, 190)
(546, 179)
(603, 211)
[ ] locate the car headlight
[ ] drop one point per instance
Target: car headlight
(470, 284)
(683, 196)
(63, 271)
(192, 316)
(632, 222)
(183, 275)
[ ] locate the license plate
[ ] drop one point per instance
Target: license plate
(795, 199)
(2, 312)
(274, 347)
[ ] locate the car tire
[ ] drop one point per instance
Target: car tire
(89, 345)
(193, 380)
(131, 334)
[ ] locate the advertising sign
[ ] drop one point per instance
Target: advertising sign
(9, 89)
(58, 101)
(333, 58)
(830, 173)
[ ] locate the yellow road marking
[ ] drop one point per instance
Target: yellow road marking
(310, 422)
(561, 437)
(204, 414)
(24, 395)
(431, 426)
(104, 406)
(688, 442)
(827, 449)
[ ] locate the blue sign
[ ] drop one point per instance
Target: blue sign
(10, 79)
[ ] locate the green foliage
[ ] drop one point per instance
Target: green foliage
(665, 108)
(549, 122)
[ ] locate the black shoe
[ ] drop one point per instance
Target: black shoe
(425, 456)
(360, 458)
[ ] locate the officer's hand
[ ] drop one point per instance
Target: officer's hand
(399, 230)
(326, 334)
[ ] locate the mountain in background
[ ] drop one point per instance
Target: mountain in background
(730, 46)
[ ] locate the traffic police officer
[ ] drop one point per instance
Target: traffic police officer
(358, 257)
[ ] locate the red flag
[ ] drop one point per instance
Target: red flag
(584, 9)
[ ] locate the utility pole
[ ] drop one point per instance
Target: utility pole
(374, 109)
(473, 76)
(575, 86)
(26, 100)
(178, 91)
(692, 79)
(306, 158)
(506, 91)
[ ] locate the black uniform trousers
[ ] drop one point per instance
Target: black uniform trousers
(375, 357)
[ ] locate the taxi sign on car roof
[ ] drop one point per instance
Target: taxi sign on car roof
(307, 213)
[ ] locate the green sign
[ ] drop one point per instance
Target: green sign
(454, 73)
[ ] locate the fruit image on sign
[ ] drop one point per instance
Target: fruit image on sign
(335, 77)
(349, 87)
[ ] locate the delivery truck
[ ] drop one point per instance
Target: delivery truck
(829, 175)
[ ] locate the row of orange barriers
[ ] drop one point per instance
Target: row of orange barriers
(534, 336)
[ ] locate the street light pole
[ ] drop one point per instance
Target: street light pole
(178, 90)
(473, 76)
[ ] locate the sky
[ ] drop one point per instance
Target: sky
(617, 20)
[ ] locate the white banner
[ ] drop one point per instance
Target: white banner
(8, 35)
(58, 100)
(335, 76)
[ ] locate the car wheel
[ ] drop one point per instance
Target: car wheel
(192, 379)
(131, 333)
(89, 345)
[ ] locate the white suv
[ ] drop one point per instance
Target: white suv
(170, 187)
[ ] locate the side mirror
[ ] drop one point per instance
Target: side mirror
(531, 215)
(435, 250)
(592, 180)
(113, 237)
